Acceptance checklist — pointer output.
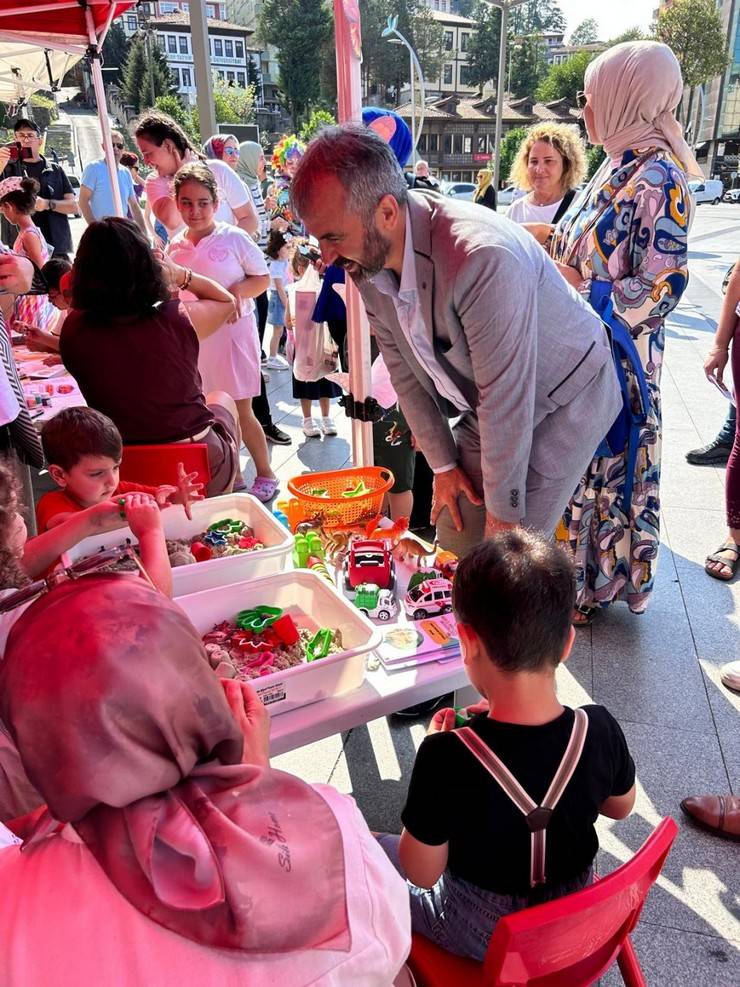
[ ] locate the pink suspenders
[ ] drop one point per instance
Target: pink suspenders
(537, 816)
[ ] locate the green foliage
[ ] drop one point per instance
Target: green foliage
(586, 33)
(536, 16)
(187, 118)
(631, 34)
(594, 156)
(565, 80)
(693, 29)
(299, 28)
(510, 144)
(528, 67)
(134, 70)
(233, 104)
(115, 50)
(385, 66)
(317, 120)
(484, 44)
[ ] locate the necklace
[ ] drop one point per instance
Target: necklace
(549, 202)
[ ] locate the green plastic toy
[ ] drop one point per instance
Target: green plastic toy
(307, 546)
(258, 618)
(319, 645)
(359, 491)
(232, 526)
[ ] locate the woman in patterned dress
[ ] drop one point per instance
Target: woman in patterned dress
(629, 227)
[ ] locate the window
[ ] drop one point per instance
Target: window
(448, 40)
(210, 10)
(172, 44)
(465, 75)
(241, 79)
(447, 143)
(434, 142)
(447, 75)
(218, 48)
(423, 142)
(482, 144)
(239, 49)
(468, 145)
(464, 40)
(186, 80)
(231, 77)
(229, 48)
(183, 43)
(131, 23)
(457, 144)
(176, 76)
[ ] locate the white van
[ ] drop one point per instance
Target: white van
(710, 190)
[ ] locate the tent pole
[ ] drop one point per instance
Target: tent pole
(97, 77)
(349, 94)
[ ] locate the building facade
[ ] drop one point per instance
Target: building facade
(135, 18)
(454, 74)
(458, 136)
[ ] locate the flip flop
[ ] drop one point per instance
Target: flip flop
(729, 546)
(264, 488)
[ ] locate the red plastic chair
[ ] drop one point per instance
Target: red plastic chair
(155, 465)
(569, 942)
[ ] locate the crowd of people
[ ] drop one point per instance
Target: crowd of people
(131, 779)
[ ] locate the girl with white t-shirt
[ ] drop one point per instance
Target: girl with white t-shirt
(550, 163)
(165, 146)
(229, 360)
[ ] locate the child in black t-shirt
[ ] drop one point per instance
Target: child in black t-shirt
(464, 838)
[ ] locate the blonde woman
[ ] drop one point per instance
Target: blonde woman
(550, 163)
(485, 194)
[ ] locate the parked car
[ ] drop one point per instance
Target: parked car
(432, 597)
(731, 195)
(375, 602)
(508, 195)
(459, 190)
(369, 562)
(710, 190)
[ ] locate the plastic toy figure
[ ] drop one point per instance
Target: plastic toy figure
(368, 562)
(375, 602)
(429, 598)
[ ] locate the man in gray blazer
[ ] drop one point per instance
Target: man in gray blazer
(476, 325)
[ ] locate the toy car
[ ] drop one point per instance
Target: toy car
(369, 562)
(375, 602)
(429, 598)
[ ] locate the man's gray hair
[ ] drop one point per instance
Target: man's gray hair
(362, 162)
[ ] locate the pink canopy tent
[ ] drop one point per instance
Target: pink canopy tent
(73, 26)
(348, 40)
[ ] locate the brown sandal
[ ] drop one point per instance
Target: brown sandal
(716, 557)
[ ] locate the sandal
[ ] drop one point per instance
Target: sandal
(583, 616)
(729, 564)
(264, 488)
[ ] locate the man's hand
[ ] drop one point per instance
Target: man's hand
(540, 231)
(447, 488)
(16, 274)
(442, 722)
(4, 157)
(253, 720)
(571, 275)
(493, 525)
(42, 205)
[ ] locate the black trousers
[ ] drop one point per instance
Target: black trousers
(260, 404)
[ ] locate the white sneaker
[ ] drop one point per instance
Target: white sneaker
(276, 363)
(311, 428)
(328, 426)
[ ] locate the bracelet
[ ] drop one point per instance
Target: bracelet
(187, 279)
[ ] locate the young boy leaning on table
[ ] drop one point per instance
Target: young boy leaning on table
(519, 753)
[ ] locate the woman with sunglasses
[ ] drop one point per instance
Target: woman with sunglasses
(627, 235)
(223, 147)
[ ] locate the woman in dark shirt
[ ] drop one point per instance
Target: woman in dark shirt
(133, 348)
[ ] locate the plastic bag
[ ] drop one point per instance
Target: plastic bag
(315, 352)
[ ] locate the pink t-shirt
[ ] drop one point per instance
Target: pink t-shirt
(62, 923)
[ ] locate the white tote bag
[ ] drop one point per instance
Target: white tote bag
(315, 352)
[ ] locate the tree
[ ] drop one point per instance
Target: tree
(157, 79)
(385, 66)
(233, 104)
(510, 144)
(631, 34)
(594, 156)
(537, 16)
(172, 106)
(586, 33)
(484, 44)
(317, 120)
(693, 29)
(115, 50)
(528, 67)
(299, 29)
(565, 80)
(133, 73)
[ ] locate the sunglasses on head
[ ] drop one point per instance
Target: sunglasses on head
(581, 100)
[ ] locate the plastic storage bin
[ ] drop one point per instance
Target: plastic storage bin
(274, 557)
(303, 595)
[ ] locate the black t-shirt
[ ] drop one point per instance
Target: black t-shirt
(453, 799)
(54, 184)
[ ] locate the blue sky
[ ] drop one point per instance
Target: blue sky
(612, 18)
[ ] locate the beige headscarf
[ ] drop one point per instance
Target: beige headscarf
(635, 88)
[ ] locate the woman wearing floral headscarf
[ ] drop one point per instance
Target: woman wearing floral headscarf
(171, 853)
(628, 228)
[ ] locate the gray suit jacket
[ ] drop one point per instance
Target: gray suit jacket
(515, 338)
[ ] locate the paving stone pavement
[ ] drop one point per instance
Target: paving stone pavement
(658, 674)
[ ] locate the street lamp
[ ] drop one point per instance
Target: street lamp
(393, 35)
(504, 6)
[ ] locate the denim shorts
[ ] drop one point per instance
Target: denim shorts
(459, 916)
(275, 310)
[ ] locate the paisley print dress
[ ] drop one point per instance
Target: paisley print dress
(628, 227)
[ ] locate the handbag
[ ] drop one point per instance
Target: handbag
(316, 355)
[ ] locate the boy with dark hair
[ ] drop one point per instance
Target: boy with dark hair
(83, 449)
(501, 808)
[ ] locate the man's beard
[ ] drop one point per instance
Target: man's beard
(375, 250)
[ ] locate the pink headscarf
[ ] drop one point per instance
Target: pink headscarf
(125, 730)
(635, 88)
